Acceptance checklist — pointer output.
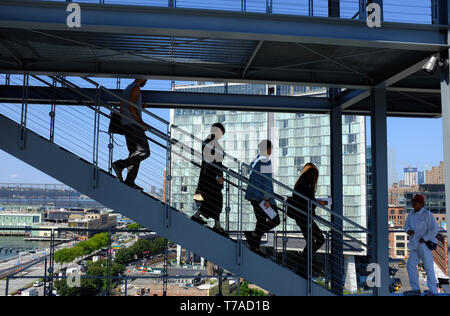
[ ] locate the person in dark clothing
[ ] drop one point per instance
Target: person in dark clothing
(306, 185)
(134, 130)
(264, 222)
(210, 183)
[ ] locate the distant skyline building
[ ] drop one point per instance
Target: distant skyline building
(420, 177)
(392, 166)
(435, 175)
(411, 178)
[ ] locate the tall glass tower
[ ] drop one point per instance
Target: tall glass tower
(298, 138)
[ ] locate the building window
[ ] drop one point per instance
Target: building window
(352, 138)
(221, 118)
(299, 161)
(400, 245)
(284, 142)
(315, 160)
(349, 119)
(351, 149)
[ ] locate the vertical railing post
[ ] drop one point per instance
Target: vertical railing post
(362, 10)
(435, 11)
(334, 8)
(7, 79)
(126, 286)
(96, 138)
(269, 6)
(243, 5)
(227, 202)
(172, 3)
(275, 245)
(168, 178)
(52, 114)
(24, 112)
(45, 274)
(310, 250)
(285, 239)
(240, 205)
(311, 7)
(7, 286)
(110, 152)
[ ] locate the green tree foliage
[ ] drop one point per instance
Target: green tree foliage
(142, 248)
(83, 248)
(91, 287)
(134, 226)
(246, 291)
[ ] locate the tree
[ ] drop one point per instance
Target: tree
(246, 291)
(124, 255)
(83, 248)
(134, 226)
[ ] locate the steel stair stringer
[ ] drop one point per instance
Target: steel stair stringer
(77, 173)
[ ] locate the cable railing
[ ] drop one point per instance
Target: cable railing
(80, 133)
(412, 11)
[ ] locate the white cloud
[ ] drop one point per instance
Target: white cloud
(13, 176)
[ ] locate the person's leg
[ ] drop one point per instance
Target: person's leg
(261, 223)
(302, 222)
(411, 266)
(426, 255)
(139, 150)
(318, 239)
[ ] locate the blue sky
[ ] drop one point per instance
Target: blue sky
(416, 141)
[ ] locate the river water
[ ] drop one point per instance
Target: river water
(17, 243)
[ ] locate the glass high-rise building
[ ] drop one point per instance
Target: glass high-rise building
(298, 138)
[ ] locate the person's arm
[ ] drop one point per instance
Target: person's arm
(134, 96)
(268, 187)
(408, 228)
(432, 228)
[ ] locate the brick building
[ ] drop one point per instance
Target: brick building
(435, 175)
(396, 216)
(441, 255)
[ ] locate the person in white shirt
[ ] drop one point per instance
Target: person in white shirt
(422, 229)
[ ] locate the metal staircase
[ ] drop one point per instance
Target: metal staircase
(79, 155)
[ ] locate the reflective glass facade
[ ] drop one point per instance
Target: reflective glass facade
(298, 139)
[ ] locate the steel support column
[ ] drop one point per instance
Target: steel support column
(445, 97)
(380, 245)
(337, 252)
(337, 191)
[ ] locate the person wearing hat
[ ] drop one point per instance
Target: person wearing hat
(422, 229)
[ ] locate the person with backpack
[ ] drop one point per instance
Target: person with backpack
(133, 128)
(259, 194)
(306, 185)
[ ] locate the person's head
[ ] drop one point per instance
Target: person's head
(218, 130)
(265, 148)
(141, 82)
(310, 176)
(418, 202)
